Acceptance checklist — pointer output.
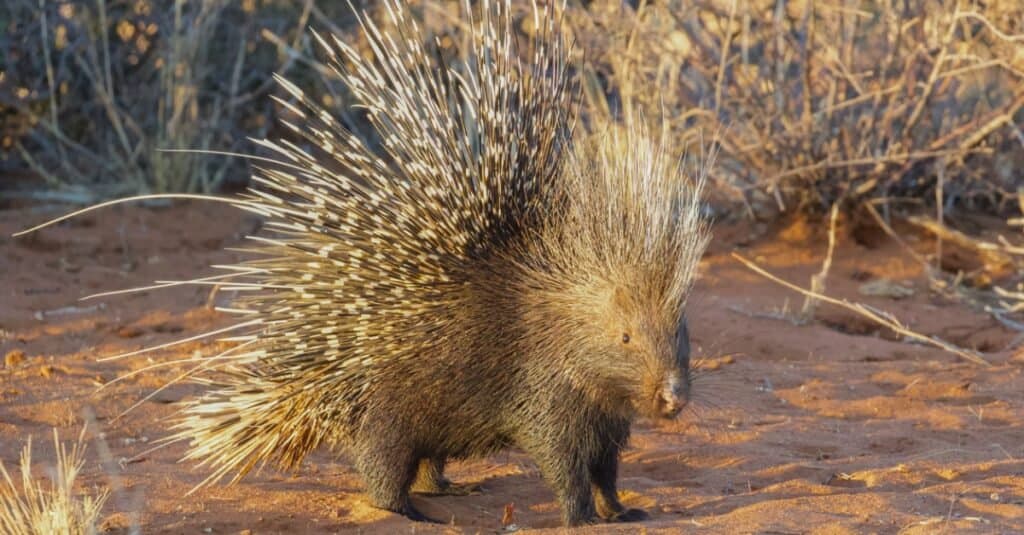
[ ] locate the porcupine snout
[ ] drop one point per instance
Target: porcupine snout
(675, 386)
(675, 393)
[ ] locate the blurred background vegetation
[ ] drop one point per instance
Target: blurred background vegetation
(813, 103)
(91, 90)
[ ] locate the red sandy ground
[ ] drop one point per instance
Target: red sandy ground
(831, 427)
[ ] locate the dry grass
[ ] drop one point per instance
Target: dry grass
(813, 103)
(49, 508)
(91, 92)
(819, 103)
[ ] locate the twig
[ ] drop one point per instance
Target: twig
(940, 215)
(982, 126)
(818, 280)
(892, 234)
(880, 317)
(874, 160)
(929, 85)
(724, 56)
(984, 20)
(990, 252)
(67, 311)
(1007, 322)
(50, 78)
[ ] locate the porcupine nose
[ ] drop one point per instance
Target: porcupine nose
(673, 398)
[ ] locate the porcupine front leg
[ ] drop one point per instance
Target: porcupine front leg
(430, 480)
(604, 474)
(388, 469)
(565, 468)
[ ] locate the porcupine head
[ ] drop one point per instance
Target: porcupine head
(621, 261)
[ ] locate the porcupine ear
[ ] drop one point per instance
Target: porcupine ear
(620, 298)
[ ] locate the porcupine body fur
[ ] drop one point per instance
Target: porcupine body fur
(480, 286)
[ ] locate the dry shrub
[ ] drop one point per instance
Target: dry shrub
(90, 92)
(812, 102)
(820, 102)
(53, 508)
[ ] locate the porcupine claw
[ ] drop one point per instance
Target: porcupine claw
(630, 515)
(447, 488)
(415, 515)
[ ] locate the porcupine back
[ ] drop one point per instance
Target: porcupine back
(363, 261)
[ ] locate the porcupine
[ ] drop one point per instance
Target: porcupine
(478, 286)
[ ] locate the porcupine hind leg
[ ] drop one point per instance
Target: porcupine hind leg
(430, 480)
(604, 473)
(388, 469)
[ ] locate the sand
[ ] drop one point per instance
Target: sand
(829, 427)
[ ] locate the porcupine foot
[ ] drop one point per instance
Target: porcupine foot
(631, 515)
(603, 475)
(611, 509)
(430, 481)
(415, 515)
(388, 471)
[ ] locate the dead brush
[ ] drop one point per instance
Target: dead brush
(817, 103)
(36, 508)
(90, 92)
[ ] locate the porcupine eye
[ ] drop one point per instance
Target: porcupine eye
(625, 338)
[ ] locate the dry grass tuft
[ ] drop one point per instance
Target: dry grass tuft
(53, 508)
